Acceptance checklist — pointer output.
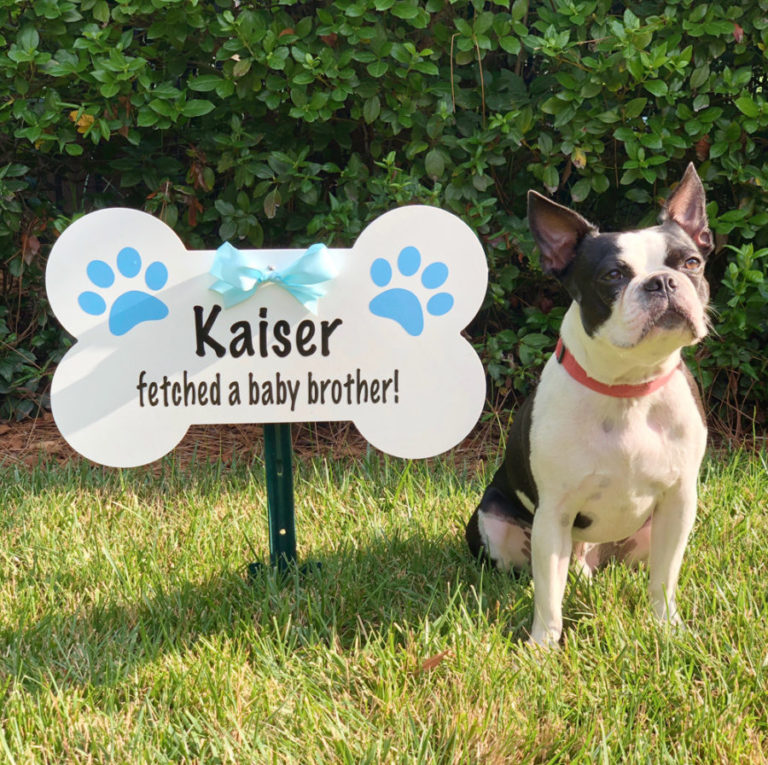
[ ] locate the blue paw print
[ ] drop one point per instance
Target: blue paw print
(133, 306)
(402, 305)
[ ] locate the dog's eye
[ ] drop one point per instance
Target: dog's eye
(613, 275)
(692, 263)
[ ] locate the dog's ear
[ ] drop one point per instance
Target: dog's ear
(557, 231)
(686, 206)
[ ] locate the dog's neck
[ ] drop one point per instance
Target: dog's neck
(611, 365)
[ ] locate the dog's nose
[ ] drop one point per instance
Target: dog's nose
(665, 283)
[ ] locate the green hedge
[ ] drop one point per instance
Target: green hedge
(304, 120)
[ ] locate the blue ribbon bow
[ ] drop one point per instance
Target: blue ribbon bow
(238, 278)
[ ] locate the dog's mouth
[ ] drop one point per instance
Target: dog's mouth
(672, 319)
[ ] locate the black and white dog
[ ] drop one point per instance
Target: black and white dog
(602, 460)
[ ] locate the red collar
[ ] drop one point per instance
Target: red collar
(575, 370)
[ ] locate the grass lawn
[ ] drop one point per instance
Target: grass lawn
(129, 631)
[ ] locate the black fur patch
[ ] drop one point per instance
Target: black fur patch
(586, 283)
(582, 521)
(514, 474)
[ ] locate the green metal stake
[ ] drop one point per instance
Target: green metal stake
(280, 510)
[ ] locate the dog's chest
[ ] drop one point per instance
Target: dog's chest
(606, 460)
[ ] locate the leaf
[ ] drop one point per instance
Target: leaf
(434, 661)
(718, 28)
(83, 122)
(355, 11)
(694, 128)
(580, 190)
(463, 26)
(405, 11)
(657, 87)
(551, 179)
(371, 109)
(600, 183)
(204, 82)
(14, 171)
(28, 38)
(197, 107)
(700, 102)
(101, 11)
(699, 76)
(226, 88)
(630, 20)
(146, 118)
(271, 203)
(161, 107)
(170, 215)
(426, 67)
(303, 77)
(483, 22)
(702, 148)
(634, 108)
(377, 68)
(510, 44)
(224, 207)
(519, 9)
(553, 105)
(590, 89)
(241, 68)
(536, 340)
(434, 164)
(747, 106)
(227, 230)
(110, 89)
(567, 80)
(718, 149)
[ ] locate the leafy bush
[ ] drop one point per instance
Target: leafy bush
(308, 119)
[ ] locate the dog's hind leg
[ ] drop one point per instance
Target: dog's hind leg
(633, 550)
(579, 559)
(496, 532)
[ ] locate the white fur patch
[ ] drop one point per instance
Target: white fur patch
(645, 252)
(525, 501)
(506, 542)
(613, 476)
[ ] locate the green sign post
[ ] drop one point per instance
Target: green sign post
(278, 459)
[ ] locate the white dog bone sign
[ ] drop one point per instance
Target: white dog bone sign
(167, 337)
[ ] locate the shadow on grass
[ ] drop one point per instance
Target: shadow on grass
(380, 590)
(379, 595)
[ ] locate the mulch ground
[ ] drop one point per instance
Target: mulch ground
(32, 441)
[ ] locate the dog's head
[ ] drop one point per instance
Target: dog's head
(641, 287)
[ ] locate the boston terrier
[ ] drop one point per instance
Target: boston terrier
(602, 461)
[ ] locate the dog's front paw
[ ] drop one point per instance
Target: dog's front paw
(546, 639)
(673, 624)
(541, 648)
(668, 618)
(666, 611)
